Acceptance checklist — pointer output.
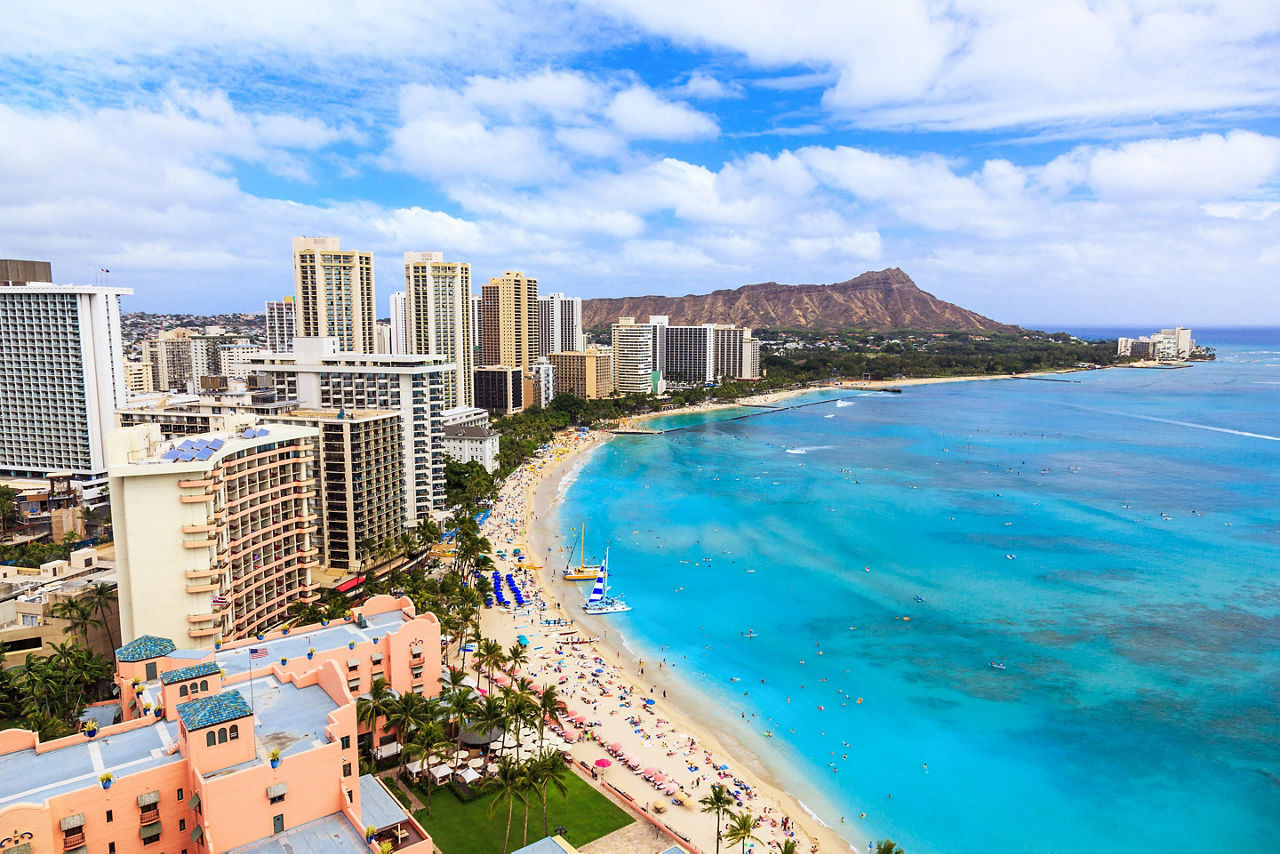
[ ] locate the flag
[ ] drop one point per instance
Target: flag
(103, 270)
(257, 652)
(219, 601)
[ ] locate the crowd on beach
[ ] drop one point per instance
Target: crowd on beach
(629, 741)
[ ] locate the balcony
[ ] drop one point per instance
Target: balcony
(150, 814)
(74, 840)
(195, 499)
(199, 544)
(201, 588)
(201, 529)
(200, 618)
(200, 633)
(195, 484)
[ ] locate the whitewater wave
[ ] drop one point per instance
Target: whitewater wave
(843, 403)
(1178, 423)
(807, 450)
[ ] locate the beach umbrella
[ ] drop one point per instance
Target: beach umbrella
(659, 778)
(615, 747)
(671, 788)
(649, 702)
(476, 763)
(603, 763)
(461, 754)
(649, 772)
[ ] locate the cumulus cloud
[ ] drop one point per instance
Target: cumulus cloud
(641, 113)
(703, 85)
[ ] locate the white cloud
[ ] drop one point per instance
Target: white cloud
(703, 85)
(642, 114)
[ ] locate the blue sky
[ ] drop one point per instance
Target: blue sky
(1045, 163)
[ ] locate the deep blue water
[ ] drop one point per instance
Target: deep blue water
(1138, 619)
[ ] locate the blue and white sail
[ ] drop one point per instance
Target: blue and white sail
(600, 602)
(597, 592)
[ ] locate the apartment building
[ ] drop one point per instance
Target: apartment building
(318, 376)
(170, 355)
(542, 377)
(438, 315)
(509, 320)
(635, 368)
(333, 289)
(359, 475)
(138, 378)
(560, 324)
(214, 533)
(588, 374)
(61, 375)
(399, 324)
(499, 389)
(281, 325)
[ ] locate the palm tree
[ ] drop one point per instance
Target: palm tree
(428, 739)
(490, 656)
(509, 781)
(407, 714)
(101, 597)
(888, 846)
(549, 772)
(788, 847)
(378, 704)
(492, 713)
(517, 655)
(79, 616)
(427, 533)
(717, 802)
(741, 829)
(549, 706)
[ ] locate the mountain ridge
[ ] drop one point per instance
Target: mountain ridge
(876, 300)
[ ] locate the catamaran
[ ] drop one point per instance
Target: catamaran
(583, 572)
(600, 602)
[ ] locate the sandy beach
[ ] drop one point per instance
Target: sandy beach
(625, 701)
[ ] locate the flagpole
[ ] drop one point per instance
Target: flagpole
(253, 717)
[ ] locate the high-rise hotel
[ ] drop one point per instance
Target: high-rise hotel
(61, 374)
(334, 293)
(438, 317)
(509, 320)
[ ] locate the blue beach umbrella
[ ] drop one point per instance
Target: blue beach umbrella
(522, 640)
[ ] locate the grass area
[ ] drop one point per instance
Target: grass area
(459, 828)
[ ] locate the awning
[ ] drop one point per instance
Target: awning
(383, 751)
(193, 801)
(353, 662)
(25, 848)
(72, 821)
(151, 830)
(468, 775)
(196, 833)
(376, 657)
(277, 790)
(148, 798)
(350, 584)
(441, 771)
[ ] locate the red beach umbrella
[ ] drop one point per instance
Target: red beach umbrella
(603, 763)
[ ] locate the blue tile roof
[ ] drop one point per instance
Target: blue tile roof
(184, 673)
(211, 711)
(147, 646)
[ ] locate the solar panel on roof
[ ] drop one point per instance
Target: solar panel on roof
(248, 433)
(262, 431)
(204, 453)
(187, 445)
(170, 455)
(217, 444)
(202, 443)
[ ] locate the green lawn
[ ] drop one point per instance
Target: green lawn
(459, 828)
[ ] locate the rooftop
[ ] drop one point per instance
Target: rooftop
(332, 833)
(289, 719)
(377, 807)
(145, 647)
(468, 433)
(28, 778)
(170, 676)
(211, 711)
(337, 635)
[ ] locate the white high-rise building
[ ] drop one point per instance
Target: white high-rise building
(61, 377)
(399, 325)
(334, 291)
(634, 367)
(318, 376)
(438, 311)
(281, 325)
(560, 324)
(543, 374)
(475, 323)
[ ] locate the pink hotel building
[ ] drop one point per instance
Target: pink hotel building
(189, 765)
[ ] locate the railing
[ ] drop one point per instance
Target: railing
(75, 840)
(150, 815)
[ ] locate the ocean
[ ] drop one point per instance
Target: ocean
(843, 576)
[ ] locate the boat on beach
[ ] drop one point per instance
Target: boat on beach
(600, 602)
(582, 572)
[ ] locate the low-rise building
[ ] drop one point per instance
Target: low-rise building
(251, 748)
(499, 389)
(29, 597)
(587, 374)
(472, 444)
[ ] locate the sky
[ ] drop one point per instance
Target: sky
(1043, 162)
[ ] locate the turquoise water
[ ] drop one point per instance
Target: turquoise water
(1138, 618)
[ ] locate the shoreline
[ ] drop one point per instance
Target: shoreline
(530, 499)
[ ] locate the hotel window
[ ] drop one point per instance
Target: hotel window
(346, 769)
(110, 818)
(111, 848)
(182, 824)
(179, 794)
(211, 739)
(346, 742)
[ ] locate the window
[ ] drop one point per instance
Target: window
(211, 739)
(346, 742)
(151, 840)
(222, 735)
(179, 794)
(204, 684)
(182, 824)
(277, 799)
(346, 769)
(111, 848)
(109, 817)
(182, 690)
(234, 731)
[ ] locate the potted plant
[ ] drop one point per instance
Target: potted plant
(370, 832)
(284, 660)
(158, 711)
(137, 685)
(285, 628)
(324, 622)
(89, 728)
(217, 644)
(351, 644)
(261, 636)
(385, 847)
(106, 779)
(311, 653)
(274, 757)
(347, 616)
(146, 708)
